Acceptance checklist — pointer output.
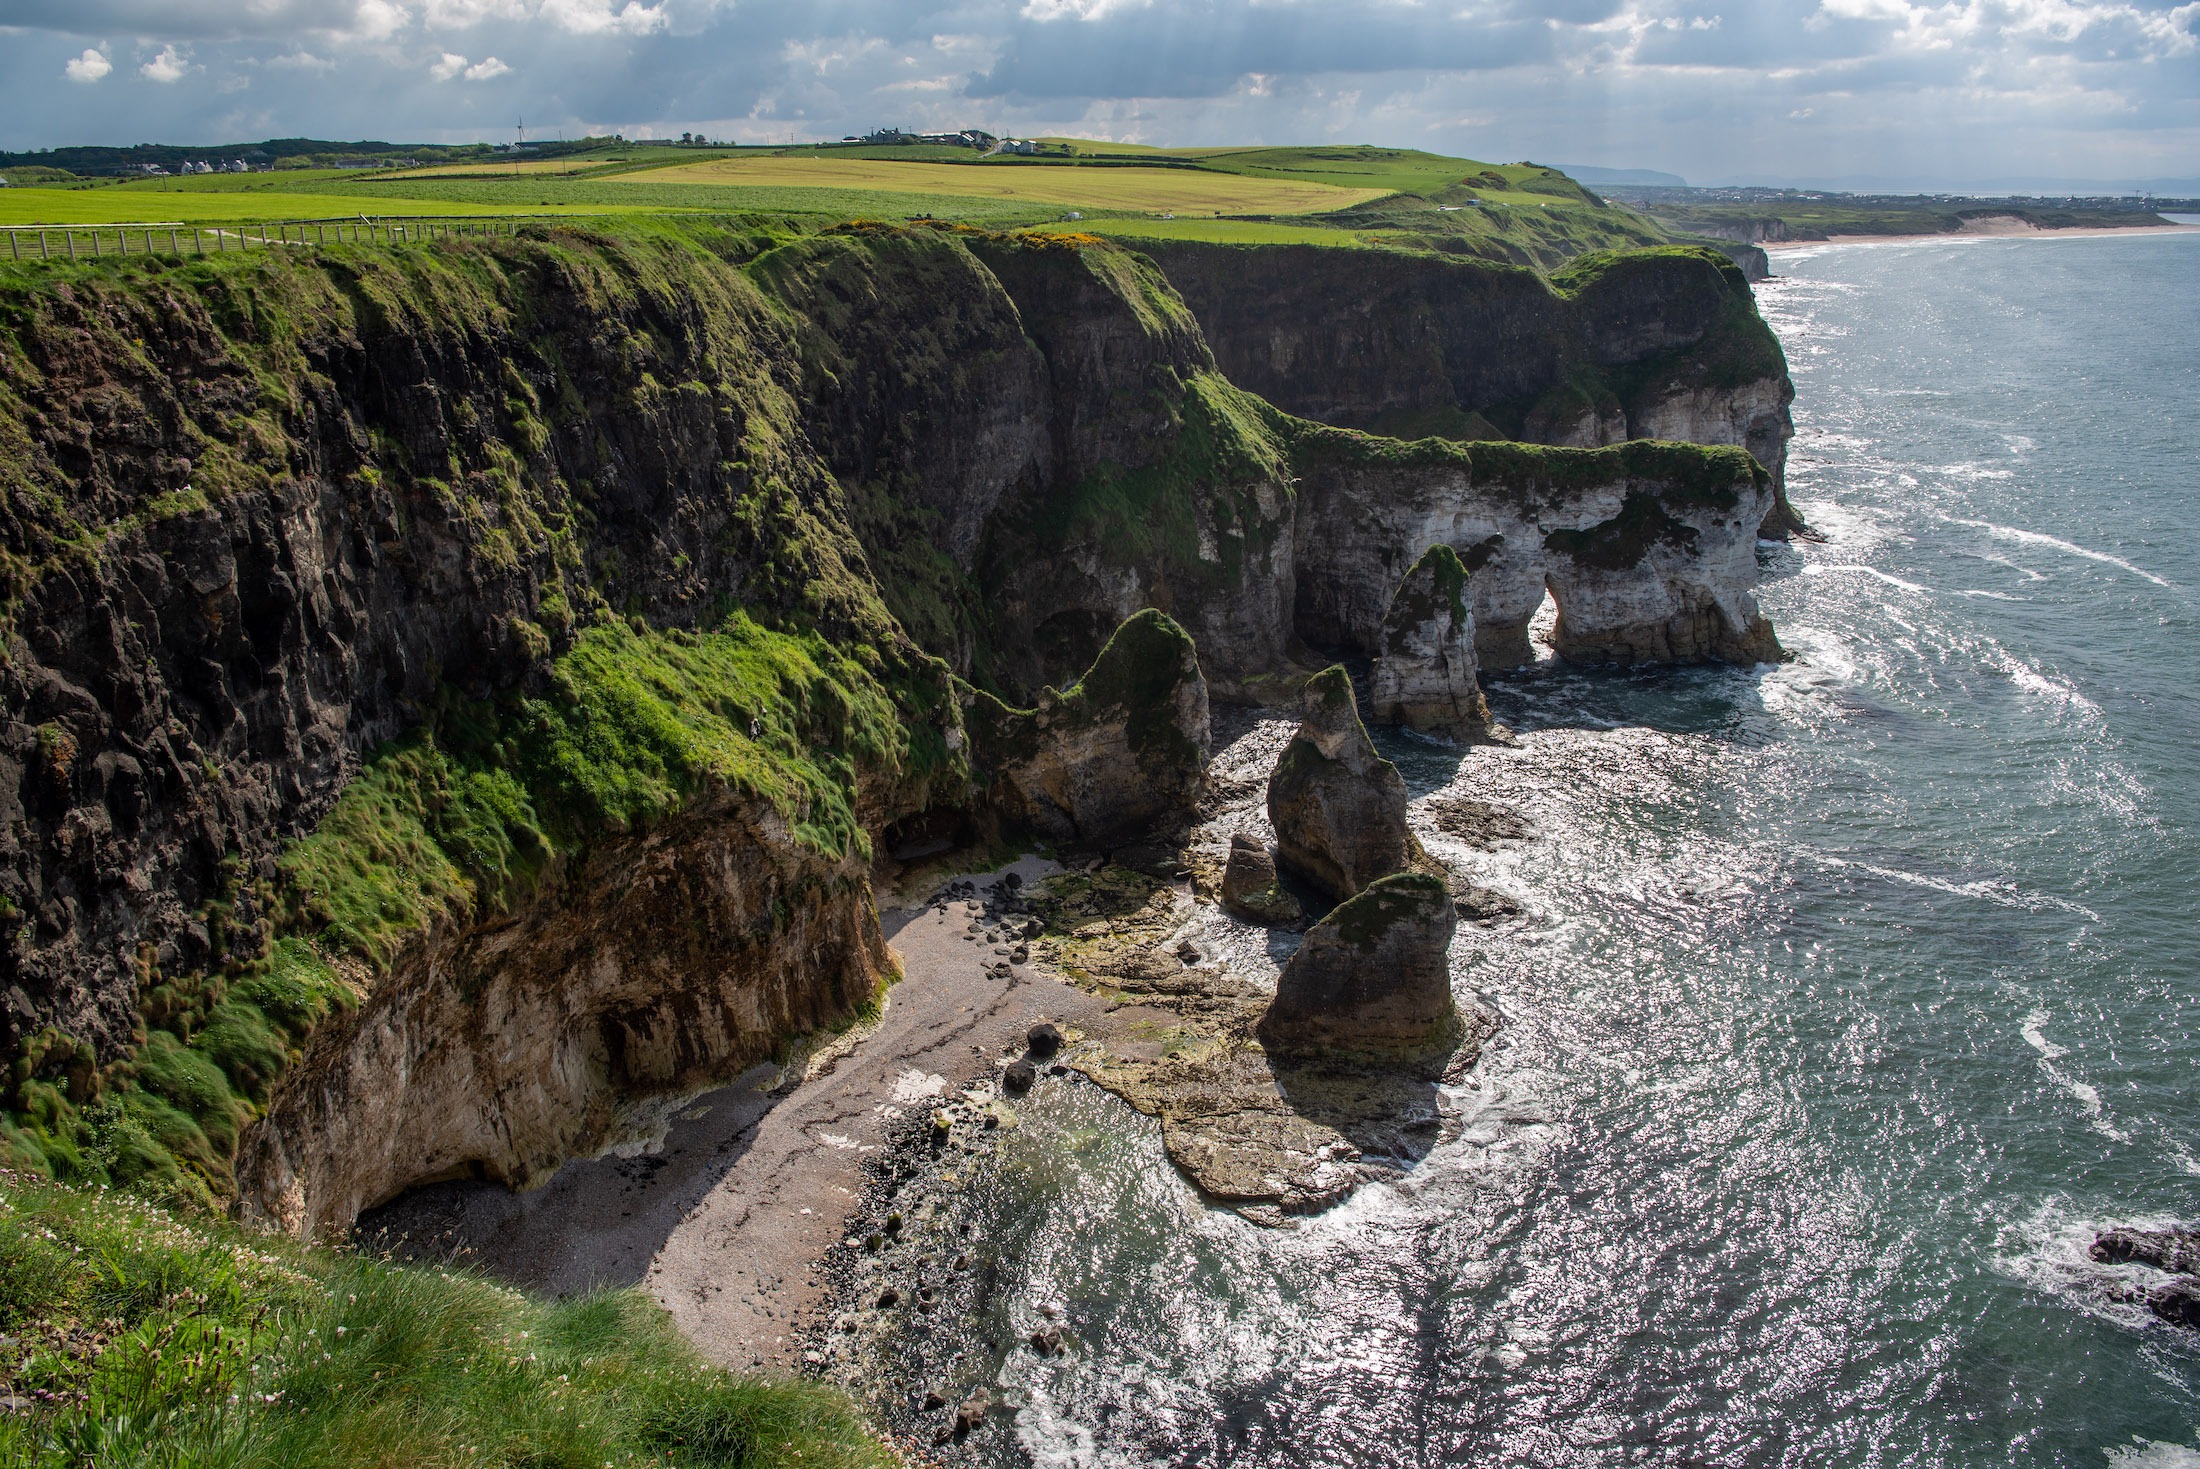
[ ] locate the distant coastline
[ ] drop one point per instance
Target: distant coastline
(2069, 232)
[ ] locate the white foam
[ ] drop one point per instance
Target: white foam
(2151, 1453)
(1821, 567)
(2032, 681)
(2037, 1039)
(1995, 596)
(2036, 538)
(1993, 892)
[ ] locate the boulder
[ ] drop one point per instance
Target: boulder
(2174, 1250)
(1118, 753)
(1250, 888)
(2177, 1301)
(1424, 677)
(1339, 809)
(1370, 977)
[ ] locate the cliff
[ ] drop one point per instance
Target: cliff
(1651, 344)
(453, 693)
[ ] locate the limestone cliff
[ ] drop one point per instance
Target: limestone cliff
(1649, 550)
(501, 1048)
(397, 640)
(1653, 344)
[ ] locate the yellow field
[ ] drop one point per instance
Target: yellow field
(1150, 190)
(489, 168)
(132, 206)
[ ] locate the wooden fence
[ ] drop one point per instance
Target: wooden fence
(98, 241)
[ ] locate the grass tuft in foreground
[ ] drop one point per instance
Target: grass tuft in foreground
(132, 1337)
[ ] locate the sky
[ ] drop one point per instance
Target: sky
(1967, 92)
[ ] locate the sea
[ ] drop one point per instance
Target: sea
(1854, 995)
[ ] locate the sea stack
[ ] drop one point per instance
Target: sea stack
(1424, 678)
(1370, 977)
(1119, 753)
(1339, 808)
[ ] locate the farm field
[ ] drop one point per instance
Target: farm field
(1140, 189)
(131, 205)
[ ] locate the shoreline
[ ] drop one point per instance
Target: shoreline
(2090, 232)
(728, 1220)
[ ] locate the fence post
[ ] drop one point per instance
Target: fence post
(43, 252)
(95, 242)
(70, 236)
(198, 241)
(15, 243)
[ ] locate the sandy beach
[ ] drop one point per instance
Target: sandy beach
(726, 1223)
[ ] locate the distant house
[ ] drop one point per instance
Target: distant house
(892, 137)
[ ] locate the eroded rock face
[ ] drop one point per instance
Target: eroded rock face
(1372, 976)
(1662, 344)
(1649, 550)
(1250, 889)
(1424, 678)
(1120, 752)
(503, 1049)
(1338, 807)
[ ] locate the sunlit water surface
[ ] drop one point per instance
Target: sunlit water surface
(1861, 990)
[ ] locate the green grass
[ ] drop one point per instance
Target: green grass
(142, 1340)
(1225, 232)
(462, 816)
(130, 205)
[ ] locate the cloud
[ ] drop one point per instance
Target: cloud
(1964, 88)
(452, 66)
(596, 17)
(89, 67)
(166, 67)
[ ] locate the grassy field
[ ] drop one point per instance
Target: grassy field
(1222, 232)
(1154, 190)
(132, 1338)
(129, 204)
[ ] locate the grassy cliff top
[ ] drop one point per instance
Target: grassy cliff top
(1360, 196)
(134, 1336)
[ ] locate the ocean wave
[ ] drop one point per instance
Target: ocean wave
(1994, 596)
(1821, 567)
(2151, 1453)
(1993, 890)
(2032, 681)
(2050, 1251)
(2087, 1096)
(2037, 538)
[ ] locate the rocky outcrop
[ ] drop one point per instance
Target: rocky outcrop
(1424, 675)
(500, 1050)
(1250, 888)
(2174, 1250)
(1649, 550)
(1339, 808)
(1118, 753)
(1654, 344)
(1371, 976)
